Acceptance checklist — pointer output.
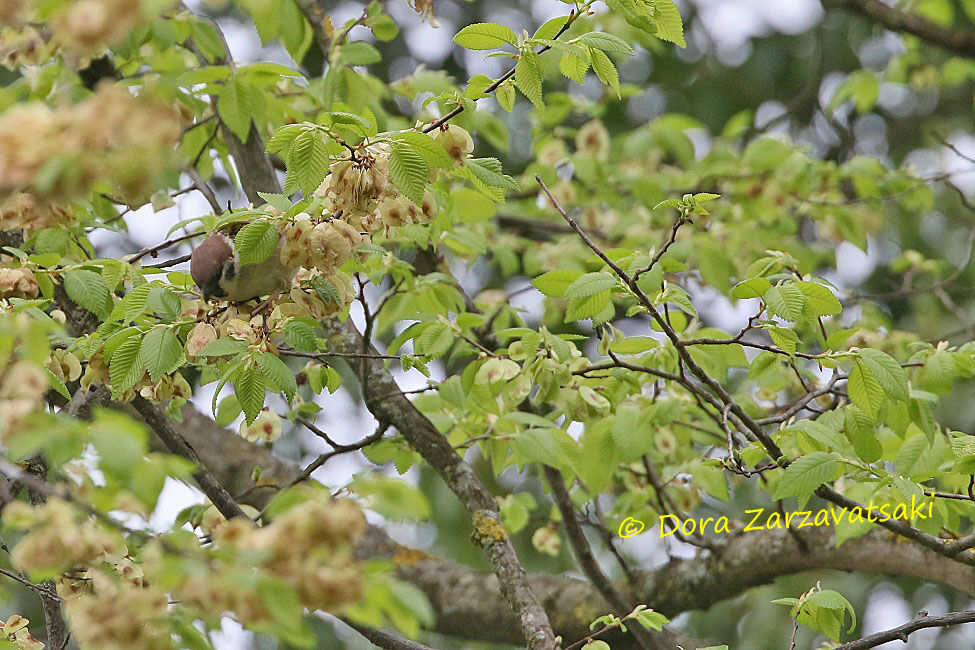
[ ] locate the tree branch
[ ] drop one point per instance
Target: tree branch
(387, 404)
(901, 633)
(957, 41)
(163, 426)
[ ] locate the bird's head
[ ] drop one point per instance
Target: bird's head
(212, 262)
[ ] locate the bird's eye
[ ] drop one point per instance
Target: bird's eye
(229, 269)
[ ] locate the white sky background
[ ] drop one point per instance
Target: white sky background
(728, 27)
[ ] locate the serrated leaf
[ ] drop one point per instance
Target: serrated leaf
(485, 36)
(528, 77)
(408, 171)
(125, 367)
(634, 345)
(804, 475)
(667, 22)
(434, 341)
(886, 371)
(554, 283)
(488, 171)
(574, 67)
(785, 300)
(307, 162)
(160, 352)
(862, 433)
(326, 291)
(250, 387)
(864, 389)
(429, 149)
(679, 297)
(283, 137)
(505, 94)
(255, 242)
(589, 284)
(300, 336)
(550, 28)
(223, 347)
(819, 300)
(750, 288)
(785, 338)
(605, 69)
(607, 43)
(237, 103)
(278, 373)
(763, 365)
(587, 307)
(89, 290)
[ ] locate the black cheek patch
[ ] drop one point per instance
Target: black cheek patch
(229, 269)
(213, 289)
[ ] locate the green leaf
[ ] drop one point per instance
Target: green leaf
(266, 18)
(223, 347)
(429, 149)
(307, 162)
(434, 341)
(250, 387)
(488, 171)
(862, 433)
(408, 171)
(864, 389)
(325, 291)
(750, 288)
(554, 283)
(550, 28)
(805, 474)
(605, 69)
(278, 373)
(283, 137)
(89, 290)
(528, 77)
(160, 352)
(785, 338)
(785, 300)
(125, 367)
(485, 36)
(590, 284)
(255, 242)
(634, 345)
(505, 94)
(237, 103)
(764, 364)
(819, 300)
(668, 23)
(607, 43)
(300, 336)
(888, 373)
(587, 307)
(360, 53)
(574, 67)
(281, 601)
(392, 498)
(679, 297)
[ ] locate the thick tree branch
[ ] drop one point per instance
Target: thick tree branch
(957, 41)
(469, 604)
(621, 603)
(387, 404)
(160, 423)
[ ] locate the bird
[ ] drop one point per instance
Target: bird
(216, 269)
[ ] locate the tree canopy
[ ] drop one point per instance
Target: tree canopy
(656, 327)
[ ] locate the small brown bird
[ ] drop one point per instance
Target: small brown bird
(216, 269)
